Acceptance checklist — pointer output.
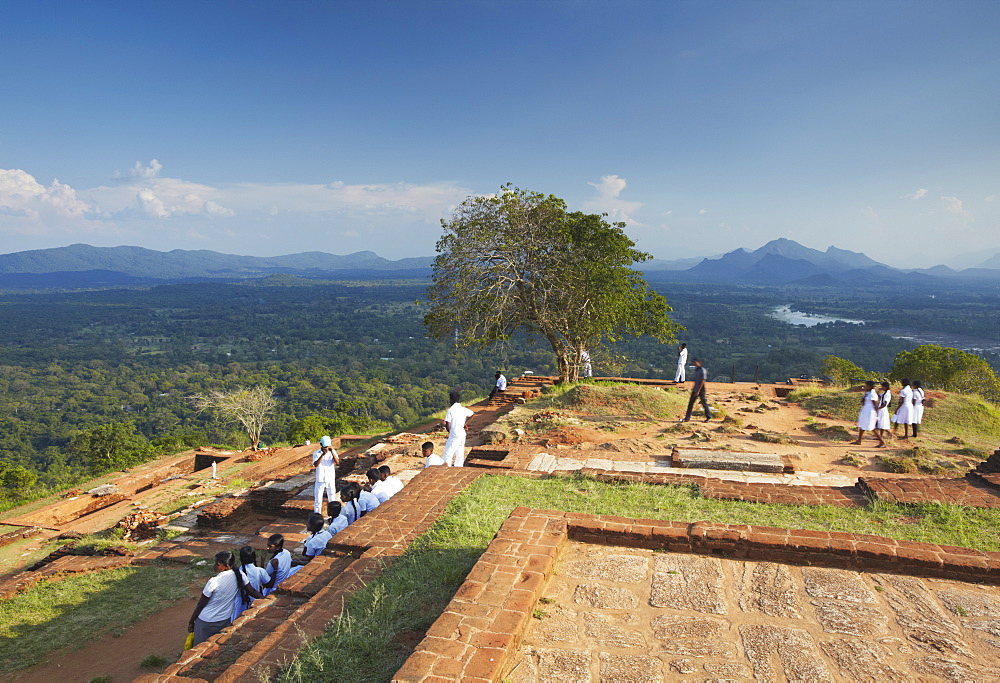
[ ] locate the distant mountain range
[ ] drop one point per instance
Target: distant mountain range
(786, 262)
(779, 262)
(81, 265)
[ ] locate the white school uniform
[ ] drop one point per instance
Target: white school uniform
(381, 491)
(682, 359)
(883, 421)
(368, 501)
(283, 571)
(868, 417)
(338, 523)
(393, 484)
(253, 576)
(316, 543)
(918, 406)
(433, 459)
(904, 414)
(454, 447)
(220, 590)
(326, 477)
(352, 511)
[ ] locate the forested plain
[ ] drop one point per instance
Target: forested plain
(353, 357)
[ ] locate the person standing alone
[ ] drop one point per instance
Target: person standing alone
(454, 422)
(325, 460)
(698, 392)
(682, 358)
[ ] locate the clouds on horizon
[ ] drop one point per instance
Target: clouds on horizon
(142, 206)
(182, 211)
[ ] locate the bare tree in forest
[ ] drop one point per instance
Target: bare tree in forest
(250, 408)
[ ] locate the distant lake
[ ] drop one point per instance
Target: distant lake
(786, 315)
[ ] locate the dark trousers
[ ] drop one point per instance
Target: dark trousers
(704, 402)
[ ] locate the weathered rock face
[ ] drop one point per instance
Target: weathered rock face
(494, 435)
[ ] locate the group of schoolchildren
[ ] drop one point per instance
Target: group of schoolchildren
(240, 580)
(875, 406)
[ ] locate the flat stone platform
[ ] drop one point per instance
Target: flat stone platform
(626, 614)
(728, 460)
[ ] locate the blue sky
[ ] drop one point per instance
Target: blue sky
(271, 128)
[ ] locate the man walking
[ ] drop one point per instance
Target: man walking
(698, 392)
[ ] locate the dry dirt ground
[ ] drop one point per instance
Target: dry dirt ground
(757, 408)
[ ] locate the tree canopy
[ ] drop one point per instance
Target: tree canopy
(520, 260)
(942, 367)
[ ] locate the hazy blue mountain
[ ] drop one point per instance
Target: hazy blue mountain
(992, 263)
(147, 264)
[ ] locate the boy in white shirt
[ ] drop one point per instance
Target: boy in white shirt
(393, 483)
(378, 488)
(430, 459)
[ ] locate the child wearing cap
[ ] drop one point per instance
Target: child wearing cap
(325, 460)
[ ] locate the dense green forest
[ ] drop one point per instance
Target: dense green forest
(118, 367)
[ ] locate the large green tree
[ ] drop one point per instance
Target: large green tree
(520, 260)
(942, 367)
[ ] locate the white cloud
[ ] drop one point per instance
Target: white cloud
(337, 216)
(916, 194)
(954, 205)
(608, 201)
(990, 199)
(702, 211)
(871, 214)
(29, 208)
(151, 171)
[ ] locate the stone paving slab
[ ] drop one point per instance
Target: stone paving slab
(727, 460)
(625, 614)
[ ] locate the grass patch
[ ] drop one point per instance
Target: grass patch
(802, 393)
(771, 437)
(968, 417)
(83, 608)
(178, 504)
(831, 432)
(153, 661)
(411, 594)
(837, 403)
(619, 400)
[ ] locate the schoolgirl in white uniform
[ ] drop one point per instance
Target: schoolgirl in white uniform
(918, 405)
(868, 415)
(252, 576)
(904, 411)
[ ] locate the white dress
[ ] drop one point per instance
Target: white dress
(883, 421)
(252, 576)
(904, 414)
(682, 359)
(918, 406)
(454, 448)
(867, 416)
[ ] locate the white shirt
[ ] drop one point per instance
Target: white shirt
(284, 559)
(338, 523)
(433, 459)
(682, 357)
(455, 417)
(393, 484)
(326, 470)
(501, 383)
(367, 501)
(380, 490)
(316, 543)
(221, 592)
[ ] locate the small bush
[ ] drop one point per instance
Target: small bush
(771, 437)
(854, 460)
(971, 453)
(831, 432)
(900, 464)
(802, 393)
(153, 661)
